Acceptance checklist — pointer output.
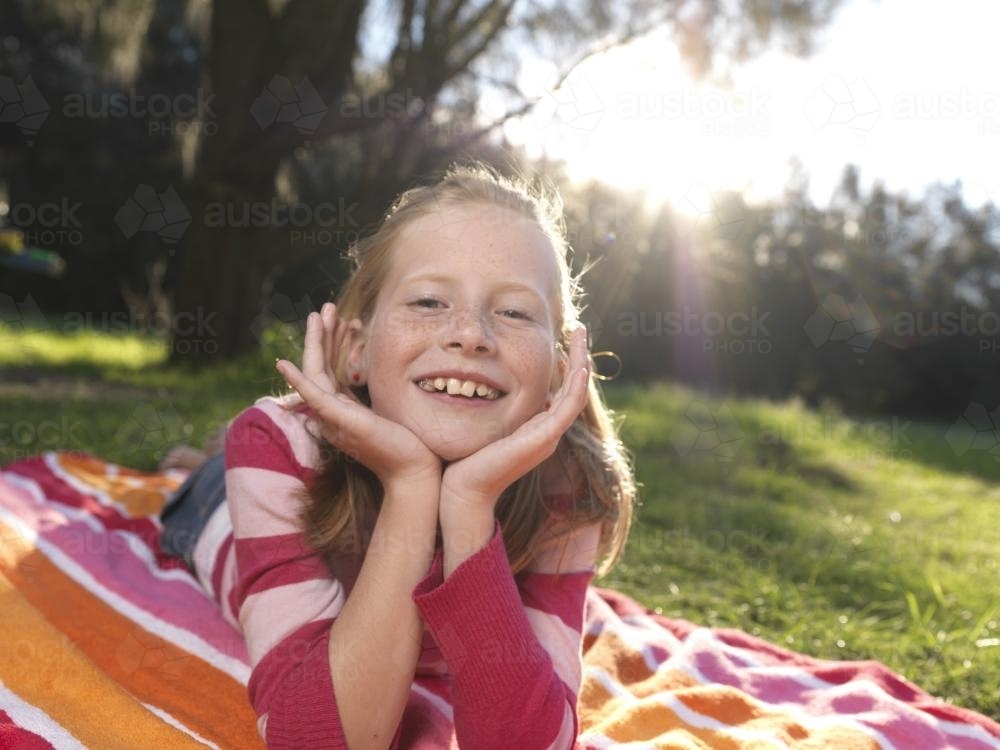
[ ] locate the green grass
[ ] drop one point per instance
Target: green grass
(115, 396)
(824, 547)
(820, 545)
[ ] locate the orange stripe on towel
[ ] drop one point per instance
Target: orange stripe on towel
(732, 706)
(195, 693)
(141, 494)
(46, 671)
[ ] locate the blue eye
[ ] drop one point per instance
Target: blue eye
(430, 303)
(426, 302)
(518, 314)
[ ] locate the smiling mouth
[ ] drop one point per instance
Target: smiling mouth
(461, 389)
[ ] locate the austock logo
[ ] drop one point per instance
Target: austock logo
(149, 429)
(143, 650)
(708, 655)
(23, 105)
(283, 101)
(978, 210)
(701, 209)
(430, 653)
(842, 103)
(19, 320)
(849, 539)
(981, 652)
(431, 425)
(976, 429)
(448, 224)
(17, 542)
(149, 211)
(574, 103)
(838, 320)
(701, 429)
(282, 319)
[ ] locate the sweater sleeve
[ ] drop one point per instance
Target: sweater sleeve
(286, 598)
(513, 644)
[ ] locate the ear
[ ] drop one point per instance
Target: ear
(356, 354)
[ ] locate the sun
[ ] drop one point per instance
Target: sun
(631, 118)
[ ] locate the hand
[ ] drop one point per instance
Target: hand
(391, 451)
(482, 477)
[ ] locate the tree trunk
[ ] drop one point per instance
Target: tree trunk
(222, 271)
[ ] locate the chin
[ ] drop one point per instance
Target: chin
(453, 450)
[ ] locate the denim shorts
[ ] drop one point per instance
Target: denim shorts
(187, 511)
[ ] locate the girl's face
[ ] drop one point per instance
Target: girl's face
(467, 303)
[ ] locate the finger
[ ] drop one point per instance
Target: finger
(342, 329)
(314, 354)
(569, 401)
(334, 409)
(575, 397)
(578, 360)
(330, 324)
(312, 350)
(578, 348)
(540, 434)
(565, 407)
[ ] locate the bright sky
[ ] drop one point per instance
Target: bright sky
(908, 90)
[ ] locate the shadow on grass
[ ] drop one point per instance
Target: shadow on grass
(37, 372)
(771, 517)
(956, 450)
(130, 419)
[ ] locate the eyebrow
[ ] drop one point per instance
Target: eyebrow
(443, 278)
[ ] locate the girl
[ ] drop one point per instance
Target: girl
(431, 504)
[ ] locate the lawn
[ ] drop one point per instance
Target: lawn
(840, 537)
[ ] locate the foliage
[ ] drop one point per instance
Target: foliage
(383, 93)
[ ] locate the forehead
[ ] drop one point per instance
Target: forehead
(476, 242)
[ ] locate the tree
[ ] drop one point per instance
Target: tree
(435, 49)
(339, 61)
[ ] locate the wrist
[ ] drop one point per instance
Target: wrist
(423, 481)
(465, 529)
(458, 514)
(461, 499)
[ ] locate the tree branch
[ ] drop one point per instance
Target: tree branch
(501, 22)
(629, 36)
(399, 60)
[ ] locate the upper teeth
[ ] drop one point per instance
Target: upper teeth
(456, 387)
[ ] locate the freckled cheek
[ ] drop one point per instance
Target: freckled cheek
(403, 325)
(388, 363)
(532, 364)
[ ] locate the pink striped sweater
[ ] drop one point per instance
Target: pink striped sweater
(501, 658)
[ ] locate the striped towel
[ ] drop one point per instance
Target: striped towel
(108, 643)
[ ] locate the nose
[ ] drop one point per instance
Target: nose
(469, 332)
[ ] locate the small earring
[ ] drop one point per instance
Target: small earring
(356, 377)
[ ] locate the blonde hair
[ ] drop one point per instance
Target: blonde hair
(342, 501)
